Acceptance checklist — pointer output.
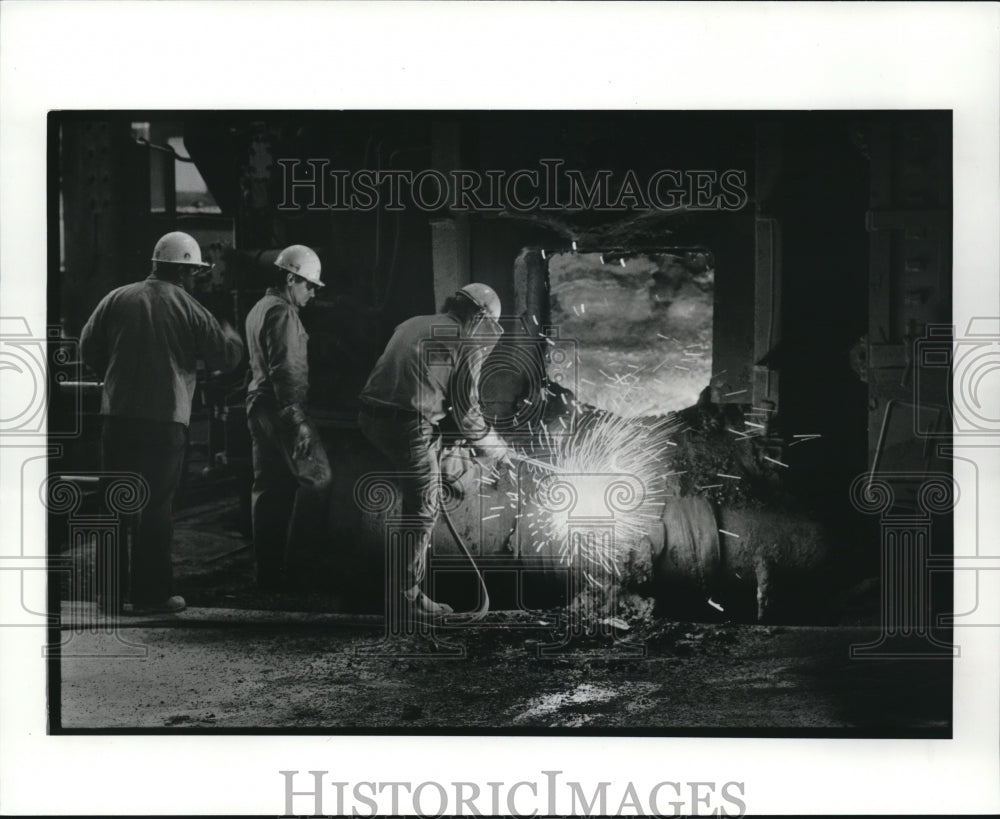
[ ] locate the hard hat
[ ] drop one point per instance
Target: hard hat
(178, 248)
(484, 297)
(302, 261)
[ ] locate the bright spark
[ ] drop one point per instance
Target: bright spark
(608, 459)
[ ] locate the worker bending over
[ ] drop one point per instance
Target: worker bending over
(429, 372)
(291, 481)
(145, 340)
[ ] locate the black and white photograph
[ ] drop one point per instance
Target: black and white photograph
(573, 449)
(512, 421)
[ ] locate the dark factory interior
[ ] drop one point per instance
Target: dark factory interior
(797, 295)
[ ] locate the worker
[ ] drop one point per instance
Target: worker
(145, 339)
(291, 473)
(429, 372)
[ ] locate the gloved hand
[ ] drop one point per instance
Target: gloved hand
(229, 331)
(303, 441)
(493, 447)
(296, 420)
(504, 461)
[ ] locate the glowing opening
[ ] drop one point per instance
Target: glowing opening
(642, 326)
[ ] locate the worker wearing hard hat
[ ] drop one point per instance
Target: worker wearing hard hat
(429, 372)
(145, 339)
(292, 477)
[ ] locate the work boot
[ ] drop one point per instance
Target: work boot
(421, 607)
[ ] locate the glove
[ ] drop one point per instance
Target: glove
(295, 418)
(492, 447)
(303, 442)
(229, 331)
(504, 461)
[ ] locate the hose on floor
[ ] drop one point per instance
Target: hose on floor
(474, 616)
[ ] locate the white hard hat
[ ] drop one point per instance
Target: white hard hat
(484, 297)
(302, 261)
(178, 248)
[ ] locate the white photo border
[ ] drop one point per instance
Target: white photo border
(317, 55)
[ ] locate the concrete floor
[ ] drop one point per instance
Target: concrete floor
(240, 659)
(206, 672)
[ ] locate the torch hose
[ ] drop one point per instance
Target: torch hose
(484, 606)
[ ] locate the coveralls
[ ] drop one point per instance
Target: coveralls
(290, 491)
(427, 372)
(145, 339)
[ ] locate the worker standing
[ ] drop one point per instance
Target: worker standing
(145, 339)
(292, 476)
(428, 372)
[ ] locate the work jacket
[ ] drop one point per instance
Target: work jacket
(429, 367)
(277, 346)
(146, 339)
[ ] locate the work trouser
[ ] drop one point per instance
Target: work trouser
(154, 450)
(290, 499)
(413, 445)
